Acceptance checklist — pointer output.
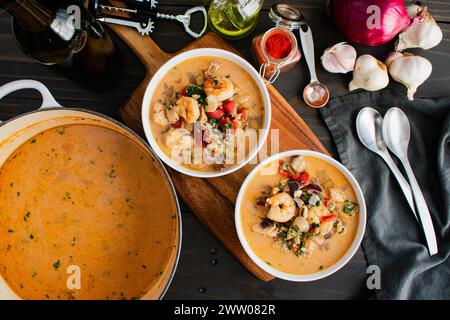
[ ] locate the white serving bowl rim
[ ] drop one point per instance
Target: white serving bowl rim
(204, 52)
(350, 251)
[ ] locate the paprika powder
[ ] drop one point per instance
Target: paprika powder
(277, 50)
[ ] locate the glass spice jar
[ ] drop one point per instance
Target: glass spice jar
(277, 50)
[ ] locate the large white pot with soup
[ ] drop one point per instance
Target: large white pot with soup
(206, 112)
(300, 215)
(87, 210)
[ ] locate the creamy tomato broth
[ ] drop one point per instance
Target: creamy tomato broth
(217, 96)
(85, 196)
(299, 214)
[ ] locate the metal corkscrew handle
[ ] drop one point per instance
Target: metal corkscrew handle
(185, 19)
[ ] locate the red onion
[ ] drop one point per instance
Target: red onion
(313, 188)
(293, 186)
(371, 26)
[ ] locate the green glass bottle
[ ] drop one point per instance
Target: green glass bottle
(234, 19)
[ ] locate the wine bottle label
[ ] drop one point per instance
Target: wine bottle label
(63, 25)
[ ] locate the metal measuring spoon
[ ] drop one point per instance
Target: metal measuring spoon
(368, 127)
(396, 132)
(315, 94)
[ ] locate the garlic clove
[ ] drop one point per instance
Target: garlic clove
(369, 74)
(392, 56)
(413, 10)
(339, 58)
(423, 32)
(410, 70)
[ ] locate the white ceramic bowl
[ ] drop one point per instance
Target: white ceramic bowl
(344, 259)
(205, 52)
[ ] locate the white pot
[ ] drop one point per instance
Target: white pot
(15, 132)
(343, 260)
(159, 75)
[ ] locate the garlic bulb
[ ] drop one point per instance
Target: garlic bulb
(423, 32)
(408, 69)
(369, 74)
(339, 58)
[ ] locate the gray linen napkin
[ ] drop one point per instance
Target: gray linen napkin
(393, 239)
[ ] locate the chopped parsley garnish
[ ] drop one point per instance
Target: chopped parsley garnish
(112, 175)
(228, 126)
(193, 89)
(315, 225)
(349, 208)
(57, 264)
(291, 233)
(285, 165)
(305, 197)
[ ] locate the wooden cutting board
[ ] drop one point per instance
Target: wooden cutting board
(213, 200)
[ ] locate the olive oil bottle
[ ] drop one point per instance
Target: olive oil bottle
(234, 19)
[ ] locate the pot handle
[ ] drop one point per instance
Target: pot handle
(47, 99)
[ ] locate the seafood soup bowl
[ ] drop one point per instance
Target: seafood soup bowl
(357, 231)
(193, 54)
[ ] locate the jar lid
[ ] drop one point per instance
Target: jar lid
(286, 15)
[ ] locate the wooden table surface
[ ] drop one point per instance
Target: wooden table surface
(206, 270)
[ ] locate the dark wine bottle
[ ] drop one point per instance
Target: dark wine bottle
(53, 32)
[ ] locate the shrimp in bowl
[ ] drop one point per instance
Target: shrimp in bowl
(217, 99)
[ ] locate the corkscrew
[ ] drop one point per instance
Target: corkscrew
(142, 16)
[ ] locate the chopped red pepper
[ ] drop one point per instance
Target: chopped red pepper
(216, 114)
(327, 218)
(227, 123)
(326, 201)
(230, 107)
(178, 124)
(302, 177)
